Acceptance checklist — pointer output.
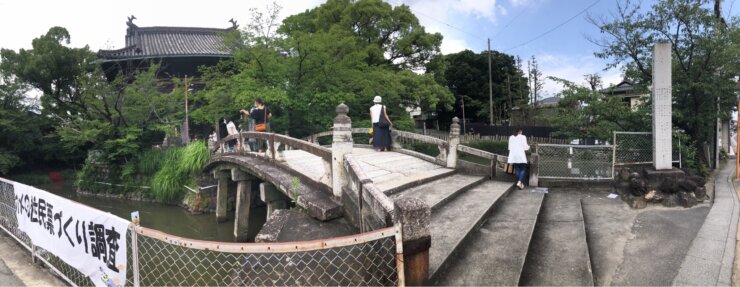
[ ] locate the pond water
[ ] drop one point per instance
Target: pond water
(170, 219)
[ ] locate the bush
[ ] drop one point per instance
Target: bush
(425, 148)
(501, 148)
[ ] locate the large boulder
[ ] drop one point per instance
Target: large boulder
(686, 199)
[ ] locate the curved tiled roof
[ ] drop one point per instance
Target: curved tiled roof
(159, 42)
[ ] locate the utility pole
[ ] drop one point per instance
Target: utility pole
(490, 86)
(737, 144)
(186, 124)
(462, 99)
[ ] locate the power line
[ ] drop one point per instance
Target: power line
(435, 19)
(553, 28)
(510, 22)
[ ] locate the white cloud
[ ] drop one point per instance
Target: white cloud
(102, 23)
(572, 68)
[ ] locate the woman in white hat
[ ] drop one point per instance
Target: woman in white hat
(381, 125)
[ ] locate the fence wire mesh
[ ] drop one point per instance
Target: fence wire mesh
(636, 148)
(370, 263)
(575, 162)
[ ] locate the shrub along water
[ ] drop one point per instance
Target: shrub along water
(164, 170)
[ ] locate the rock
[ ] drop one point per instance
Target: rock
(634, 174)
(638, 203)
(668, 186)
(700, 181)
(670, 200)
(624, 174)
(654, 196)
(638, 187)
(687, 199)
(687, 185)
(701, 194)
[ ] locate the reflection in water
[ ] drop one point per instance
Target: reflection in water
(170, 219)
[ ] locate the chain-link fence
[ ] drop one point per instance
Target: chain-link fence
(636, 148)
(159, 259)
(575, 161)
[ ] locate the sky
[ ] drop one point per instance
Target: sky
(524, 28)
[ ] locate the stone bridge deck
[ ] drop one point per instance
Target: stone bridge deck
(390, 171)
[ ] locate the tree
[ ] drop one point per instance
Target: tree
(536, 81)
(466, 73)
(585, 113)
(342, 51)
(594, 81)
(705, 57)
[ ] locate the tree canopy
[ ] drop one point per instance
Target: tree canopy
(705, 56)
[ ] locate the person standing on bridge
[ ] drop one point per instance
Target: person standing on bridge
(381, 126)
(260, 114)
(517, 146)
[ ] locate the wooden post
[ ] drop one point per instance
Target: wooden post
(414, 215)
(614, 153)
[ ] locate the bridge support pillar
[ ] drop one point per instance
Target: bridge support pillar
(454, 141)
(272, 197)
(222, 194)
(243, 204)
(341, 144)
(415, 216)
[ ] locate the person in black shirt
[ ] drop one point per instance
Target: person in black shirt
(260, 114)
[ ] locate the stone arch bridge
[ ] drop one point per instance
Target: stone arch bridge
(351, 180)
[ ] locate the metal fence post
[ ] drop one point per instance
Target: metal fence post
(135, 255)
(614, 152)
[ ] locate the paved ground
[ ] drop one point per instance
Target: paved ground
(16, 268)
(711, 256)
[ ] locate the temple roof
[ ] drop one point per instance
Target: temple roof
(625, 87)
(162, 42)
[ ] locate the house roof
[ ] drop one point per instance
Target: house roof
(162, 42)
(551, 101)
(625, 87)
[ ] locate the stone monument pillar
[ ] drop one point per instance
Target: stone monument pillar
(222, 194)
(341, 144)
(662, 101)
(454, 141)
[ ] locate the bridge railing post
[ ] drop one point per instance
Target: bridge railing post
(341, 144)
(453, 143)
(414, 215)
(534, 170)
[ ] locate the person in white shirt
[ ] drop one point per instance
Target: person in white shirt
(231, 129)
(517, 146)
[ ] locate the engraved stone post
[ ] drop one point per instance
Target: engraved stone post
(662, 100)
(454, 141)
(341, 145)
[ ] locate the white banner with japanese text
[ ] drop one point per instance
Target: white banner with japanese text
(90, 240)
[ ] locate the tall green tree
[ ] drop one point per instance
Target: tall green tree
(340, 52)
(705, 56)
(466, 74)
(583, 112)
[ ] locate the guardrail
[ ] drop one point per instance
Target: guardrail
(375, 208)
(155, 258)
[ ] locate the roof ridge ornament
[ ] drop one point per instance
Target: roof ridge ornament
(130, 21)
(234, 25)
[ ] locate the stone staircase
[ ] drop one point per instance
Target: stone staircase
(486, 232)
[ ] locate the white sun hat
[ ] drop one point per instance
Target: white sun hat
(377, 100)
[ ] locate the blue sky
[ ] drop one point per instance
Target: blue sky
(465, 24)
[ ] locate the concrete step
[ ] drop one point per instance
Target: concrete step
(495, 254)
(393, 183)
(451, 224)
(437, 193)
(558, 254)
